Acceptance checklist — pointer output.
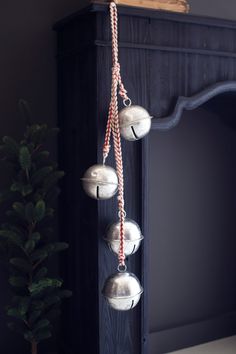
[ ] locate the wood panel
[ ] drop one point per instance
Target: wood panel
(168, 5)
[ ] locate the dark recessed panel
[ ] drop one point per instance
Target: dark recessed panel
(192, 201)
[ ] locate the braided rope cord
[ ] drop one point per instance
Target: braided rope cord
(113, 127)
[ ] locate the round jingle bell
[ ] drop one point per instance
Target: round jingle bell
(135, 122)
(132, 237)
(100, 182)
(122, 291)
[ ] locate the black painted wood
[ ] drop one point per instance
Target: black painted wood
(191, 103)
(163, 56)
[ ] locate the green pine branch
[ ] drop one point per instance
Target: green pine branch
(26, 241)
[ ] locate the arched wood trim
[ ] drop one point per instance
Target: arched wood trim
(191, 103)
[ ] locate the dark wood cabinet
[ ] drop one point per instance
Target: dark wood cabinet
(170, 63)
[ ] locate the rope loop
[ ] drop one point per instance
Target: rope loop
(122, 268)
(127, 102)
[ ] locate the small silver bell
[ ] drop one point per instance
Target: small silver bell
(122, 291)
(133, 237)
(135, 122)
(100, 182)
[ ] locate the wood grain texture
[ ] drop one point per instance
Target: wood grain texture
(163, 56)
(168, 5)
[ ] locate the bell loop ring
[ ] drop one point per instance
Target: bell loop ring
(122, 268)
(124, 213)
(127, 102)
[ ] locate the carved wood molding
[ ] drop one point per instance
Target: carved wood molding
(191, 103)
(168, 5)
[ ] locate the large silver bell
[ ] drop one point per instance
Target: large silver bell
(132, 237)
(122, 291)
(135, 122)
(100, 182)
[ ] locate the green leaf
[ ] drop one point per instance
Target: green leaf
(39, 210)
(21, 264)
(56, 247)
(14, 312)
(40, 324)
(37, 133)
(29, 246)
(52, 300)
(40, 174)
(11, 144)
(36, 236)
(42, 284)
(18, 282)
(11, 236)
(29, 336)
(24, 305)
(43, 334)
(42, 272)
(25, 158)
(16, 187)
(29, 212)
(18, 230)
(26, 190)
(37, 305)
(38, 255)
(41, 156)
(19, 209)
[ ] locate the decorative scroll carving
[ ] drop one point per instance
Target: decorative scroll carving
(191, 103)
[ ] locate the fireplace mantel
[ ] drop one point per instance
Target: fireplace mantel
(164, 56)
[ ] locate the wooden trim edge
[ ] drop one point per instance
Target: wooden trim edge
(181, 6)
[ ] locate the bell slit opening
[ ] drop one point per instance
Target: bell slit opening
(136, 137)
(133, 249)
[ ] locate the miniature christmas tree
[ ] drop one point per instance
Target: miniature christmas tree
(26, 237)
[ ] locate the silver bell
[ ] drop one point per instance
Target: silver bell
(100, 182)
(133, 237)
(122, 291)
(135, 122)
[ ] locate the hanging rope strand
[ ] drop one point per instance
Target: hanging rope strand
(114, 128)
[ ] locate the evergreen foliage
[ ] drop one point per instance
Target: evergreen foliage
(26, 238)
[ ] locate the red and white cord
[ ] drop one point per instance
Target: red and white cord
(113, 127)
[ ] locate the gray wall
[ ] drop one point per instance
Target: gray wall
(215, 8)
(28, 70)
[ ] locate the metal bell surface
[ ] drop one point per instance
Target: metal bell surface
(100, 182)
(133, 237)
(122, 291)
(135, 122)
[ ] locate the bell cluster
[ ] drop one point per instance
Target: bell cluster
(122, 290)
